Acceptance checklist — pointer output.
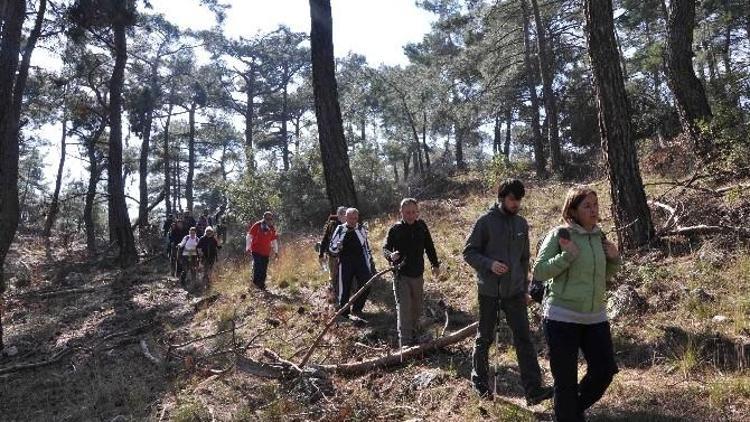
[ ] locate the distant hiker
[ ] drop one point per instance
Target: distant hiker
(188, 219)
(176, 234)
(579, 261)
(498, 249)
(165, 228)
(349, 243)
(189, 253)
(208, 250)
(261, 242)
(325, 257)
(201, 225)
(408, 241)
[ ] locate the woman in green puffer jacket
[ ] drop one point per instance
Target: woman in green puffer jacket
(579, 261)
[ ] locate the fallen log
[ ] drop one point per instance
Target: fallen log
(341, 311)
(403, 355)
(706, 229)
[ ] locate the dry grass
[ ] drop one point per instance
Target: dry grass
(676, 362)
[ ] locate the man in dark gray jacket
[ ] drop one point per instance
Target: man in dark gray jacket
(498, 249)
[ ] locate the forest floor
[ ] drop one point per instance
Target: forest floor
(113, 343)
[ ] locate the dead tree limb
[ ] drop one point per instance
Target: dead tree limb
(341, 311)
(402, 355)
(55, 358)
(148, 354)
(706, 229)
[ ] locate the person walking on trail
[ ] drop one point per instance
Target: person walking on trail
(498, 249)
(208, 250)
(189, 253)
(579, 261)
(201, 225)
(350, 244)
(262, 243)
(176, 235)
(325, 257)
(406, 243)
(188, 219)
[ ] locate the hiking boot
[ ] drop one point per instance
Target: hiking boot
(540, 395)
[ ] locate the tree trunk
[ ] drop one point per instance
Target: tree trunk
(424, 140)
(629, 207)
(249, 117)
(11, 93)
(284, 118)
(191, 158)
(407, 160)
(145, 146)
(540, 160)
(460, 163)
(52, 215)
(95, 172)
(546, 64)
(118, 210)
(497, 136)
(508, 122)
(167, 155)
(689, 94)
(338, 174)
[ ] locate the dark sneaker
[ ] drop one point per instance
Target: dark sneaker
(540, 395)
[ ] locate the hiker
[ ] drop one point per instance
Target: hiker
(165, 228)
(498, 249)
(350, 245)
(176, 234)
(201, 225)
(261, 242)
(325, 257)
(189, 253)
(208, 250)
(407, 242)
(188, 219)
(579, 261)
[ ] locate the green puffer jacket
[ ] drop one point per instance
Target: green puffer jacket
(578, 282)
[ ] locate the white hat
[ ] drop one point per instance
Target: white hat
(209, 229)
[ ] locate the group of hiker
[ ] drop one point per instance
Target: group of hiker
(190, 242)
(574, 263)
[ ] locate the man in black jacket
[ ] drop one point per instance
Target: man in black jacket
(498, 249)
(332, 262)
(407, 241)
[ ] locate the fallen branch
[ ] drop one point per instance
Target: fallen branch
(55, 358)
(341, 311)
(147, 353)
(706, 229)
(402, 355)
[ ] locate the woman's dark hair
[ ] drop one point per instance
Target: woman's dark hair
(511, 186)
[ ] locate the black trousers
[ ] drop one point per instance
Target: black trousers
(595, 341)
(349, 271)
(260, 270)
(517, 317)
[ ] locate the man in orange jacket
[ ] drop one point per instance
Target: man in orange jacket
(262, 243)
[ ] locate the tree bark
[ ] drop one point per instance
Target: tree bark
(540, 160)
(689, 94)
(249, 118)
(118, 210)
(167, 158)
(424, 139)
(54, 205)
(333, 151)
(284, 118)
(95, 172)
(191, 158)
(546, 65)
(145, 147)
(460, 163)
(629, 207)
(497, 136)
(508, 122)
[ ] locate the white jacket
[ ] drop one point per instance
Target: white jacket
(337, 240)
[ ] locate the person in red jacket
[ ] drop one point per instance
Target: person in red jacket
(262, 243)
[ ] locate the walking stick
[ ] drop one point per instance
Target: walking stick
(343, 309)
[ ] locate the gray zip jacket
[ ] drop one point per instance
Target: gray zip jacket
(498, 236)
